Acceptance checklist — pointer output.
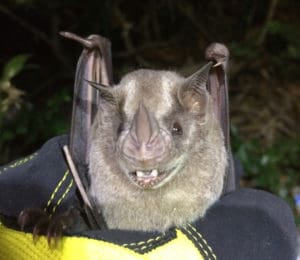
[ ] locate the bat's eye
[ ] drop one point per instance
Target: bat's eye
(177, 129)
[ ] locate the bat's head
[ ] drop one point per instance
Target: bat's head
(155, 118)
(156, 131)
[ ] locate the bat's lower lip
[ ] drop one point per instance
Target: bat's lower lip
(149, 182)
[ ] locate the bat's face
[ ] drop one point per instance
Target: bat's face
(156, 116)
(157, 127)
(156, 148)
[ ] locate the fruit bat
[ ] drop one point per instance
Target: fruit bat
(152, 151)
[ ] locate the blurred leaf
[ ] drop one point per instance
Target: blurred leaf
(7, 135)
(277, 27)
(14, 66)
(265, 159)
(294, 51)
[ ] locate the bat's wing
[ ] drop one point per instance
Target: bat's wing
(94, 65)
(218, 88)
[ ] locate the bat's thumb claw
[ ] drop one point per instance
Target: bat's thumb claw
(87, 43)
(63, 33)
(218, 53)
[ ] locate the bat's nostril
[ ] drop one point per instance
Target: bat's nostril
(145, 154)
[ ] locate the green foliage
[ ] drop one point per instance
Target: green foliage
(19, 119)
(268, 165)
(275, 168)
(289, 37)
(10, 96)
(14, 66)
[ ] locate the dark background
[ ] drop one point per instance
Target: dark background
(37, 69)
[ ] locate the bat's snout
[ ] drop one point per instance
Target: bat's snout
(145, 155)
(145, 143)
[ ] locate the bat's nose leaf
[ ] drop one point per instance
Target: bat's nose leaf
(144, 143)
(145, 126)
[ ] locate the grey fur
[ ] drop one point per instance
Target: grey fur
(199, 155)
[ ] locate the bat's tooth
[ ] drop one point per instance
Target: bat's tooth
(139, 173)
(154, 173)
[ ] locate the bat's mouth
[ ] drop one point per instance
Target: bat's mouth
(149, 179)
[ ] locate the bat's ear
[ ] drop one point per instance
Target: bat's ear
(193, 94)
(198, 80)
(105, 92)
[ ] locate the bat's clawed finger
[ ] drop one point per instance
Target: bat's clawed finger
(42, 223)
(29, 217)
(72, 36)
(40, 228)
(54, 232)
(88, 43)
(218, 53)
(58, 225)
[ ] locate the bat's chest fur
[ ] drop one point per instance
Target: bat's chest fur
(159, 211)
